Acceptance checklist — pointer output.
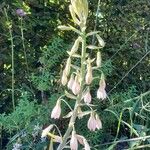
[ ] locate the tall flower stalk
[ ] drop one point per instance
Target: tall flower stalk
(79, 97)
(9, 26)
(23, 44)
(78, 79)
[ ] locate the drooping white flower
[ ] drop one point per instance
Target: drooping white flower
(87, 97)
(71, 81)
(94, 122)
(73, 141)
(83, 141)
(56, 110)
(91, 123)
(101, 93)
(86, 144)
(76, 86)
(80, 139)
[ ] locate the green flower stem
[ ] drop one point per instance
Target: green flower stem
(24, 51)
(9, 25)
(74, 116)
(23, 45)
(13, 69)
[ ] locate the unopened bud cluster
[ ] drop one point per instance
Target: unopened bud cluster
(78, 79)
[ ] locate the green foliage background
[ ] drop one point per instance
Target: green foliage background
(124, 26)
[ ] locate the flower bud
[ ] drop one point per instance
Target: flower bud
(64, 78)
(56, 110)
(75, 46)
(68, 65)
(62, 27)
(89, 76)
(100, 40)
(84, 7)
(98, 59)
(73, 15)
(57, 139)
(73, 141)
(71, 81)
(80, 7)
(87, 97)
(46, 131)
(80, 112)
(76, 86)
(74, 4)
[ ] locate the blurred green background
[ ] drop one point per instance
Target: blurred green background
(39, 55)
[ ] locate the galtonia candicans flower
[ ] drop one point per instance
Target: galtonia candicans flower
(83, 141)
(56, 110)
(92, 123)
(87, 97)
(73, 141)
(64, 78)
(80, 139)
(101, 92)
(71, 81)
(46, 131)
(76, 86)
(86, 144)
